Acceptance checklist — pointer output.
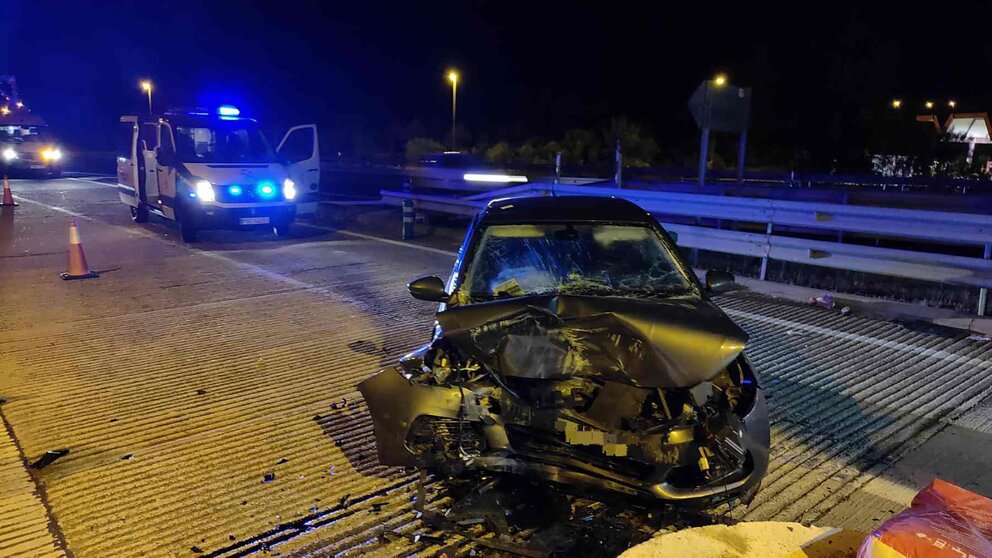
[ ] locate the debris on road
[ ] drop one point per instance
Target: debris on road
(49, 457)
(823, 301)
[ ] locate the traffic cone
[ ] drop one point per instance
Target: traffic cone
(77, 260)
(8, 197)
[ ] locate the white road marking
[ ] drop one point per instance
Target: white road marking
(384, 240)
(93, 181)
(938, 354)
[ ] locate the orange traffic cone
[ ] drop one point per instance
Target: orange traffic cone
(77, 260)
(8, 197)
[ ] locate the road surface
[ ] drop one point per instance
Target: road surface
(206, 393)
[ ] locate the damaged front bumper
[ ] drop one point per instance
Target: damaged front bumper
(479, 426)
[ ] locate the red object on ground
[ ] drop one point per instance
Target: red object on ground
(944, 520)
(8, 197)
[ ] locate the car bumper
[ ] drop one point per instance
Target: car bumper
(395, 403)
(253, 216)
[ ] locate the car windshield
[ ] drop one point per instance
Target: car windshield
(581, 259)
(223, 142)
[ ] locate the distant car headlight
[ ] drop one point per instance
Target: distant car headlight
(205, 191)
(9, 154)
(288, 189)
(51, 154)
(493, 178)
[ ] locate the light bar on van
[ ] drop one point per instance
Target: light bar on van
(228, 110)
(494, 178)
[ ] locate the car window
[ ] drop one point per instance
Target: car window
(585, 259)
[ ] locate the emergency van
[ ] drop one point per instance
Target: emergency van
(215, 171)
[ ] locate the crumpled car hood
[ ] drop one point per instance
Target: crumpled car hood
(649, 343)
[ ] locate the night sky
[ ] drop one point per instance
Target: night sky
(820, 71)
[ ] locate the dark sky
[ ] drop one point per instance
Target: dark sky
(819, 70)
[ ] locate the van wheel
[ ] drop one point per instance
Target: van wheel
(139, 214)
(188, 232)
(280, 230)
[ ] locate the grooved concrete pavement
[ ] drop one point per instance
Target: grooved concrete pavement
(182, 376)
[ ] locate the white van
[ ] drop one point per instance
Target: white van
(216, 171)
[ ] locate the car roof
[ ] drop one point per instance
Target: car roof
(562, 208)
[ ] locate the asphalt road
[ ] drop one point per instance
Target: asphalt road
(206, 393)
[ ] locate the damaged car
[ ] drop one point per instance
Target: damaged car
(573, 344)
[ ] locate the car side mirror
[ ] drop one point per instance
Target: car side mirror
(719, 281)
(428, 288)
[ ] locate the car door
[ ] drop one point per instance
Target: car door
(300, 149)
(148, 143)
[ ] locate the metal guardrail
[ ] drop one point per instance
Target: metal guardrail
(911, 224)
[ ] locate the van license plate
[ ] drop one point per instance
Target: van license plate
(253, 220)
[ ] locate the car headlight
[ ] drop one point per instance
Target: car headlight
(205, 191)
(51, 154)
(288, 189)
(9, 154)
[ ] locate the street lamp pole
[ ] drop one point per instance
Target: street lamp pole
(453, 78)
(147, 87)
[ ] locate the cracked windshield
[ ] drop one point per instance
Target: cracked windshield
(594, 259)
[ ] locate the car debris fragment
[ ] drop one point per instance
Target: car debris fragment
(573, 344)
(48, 458)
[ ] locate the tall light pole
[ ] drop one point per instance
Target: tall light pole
(453, 78)
(146, 86)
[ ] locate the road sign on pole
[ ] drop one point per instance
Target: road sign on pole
(721, 107)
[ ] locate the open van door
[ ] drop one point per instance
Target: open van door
(300, 148)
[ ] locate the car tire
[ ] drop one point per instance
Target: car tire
(280, 230)
(139, 214)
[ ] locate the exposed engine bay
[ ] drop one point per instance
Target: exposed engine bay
(651, 398)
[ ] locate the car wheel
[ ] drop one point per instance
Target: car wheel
(139, 214)
(280, 230)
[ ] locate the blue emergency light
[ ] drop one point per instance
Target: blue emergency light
(266, 190)
(228, 110)
(234, 190)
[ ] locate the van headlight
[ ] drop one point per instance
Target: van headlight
(205, 191)
(51, 154)
(288, 189)
(9, 154)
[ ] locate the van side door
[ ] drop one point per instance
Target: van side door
(148, 143)
(166, 166)
(300, 150)
(127, 160)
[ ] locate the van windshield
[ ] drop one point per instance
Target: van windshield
(223, 142)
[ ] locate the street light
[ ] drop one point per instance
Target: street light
(453, 78)
(146, 86)
(896, 103)
(928, 104)
(720, 80)
(952, 103)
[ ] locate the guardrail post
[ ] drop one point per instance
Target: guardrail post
(764, 260)
(618, 177)
(557, 167)
(983, 293)
(408, 217)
